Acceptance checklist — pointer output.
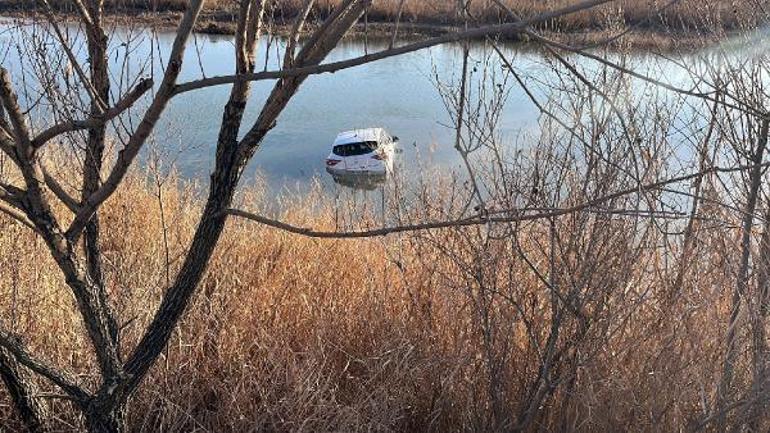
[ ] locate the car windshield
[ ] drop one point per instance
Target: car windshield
(355, 149)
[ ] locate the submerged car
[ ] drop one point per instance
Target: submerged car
(362, 151)
(360, 181)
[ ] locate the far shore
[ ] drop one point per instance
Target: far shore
(213, 23)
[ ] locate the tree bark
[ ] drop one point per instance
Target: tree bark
(724, 390)
(100, 421)
(758, 319)
(22, 391)
(94, 159)
(231, 158)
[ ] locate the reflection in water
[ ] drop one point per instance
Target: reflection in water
(400, 94)
(359, 181)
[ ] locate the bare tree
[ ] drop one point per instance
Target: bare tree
(587, 220)
(74, 239)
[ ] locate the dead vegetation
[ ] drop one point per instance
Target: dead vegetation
(682, 17)
(609, 271)
(374, 335)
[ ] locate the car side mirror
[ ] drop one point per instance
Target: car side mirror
(395, 139)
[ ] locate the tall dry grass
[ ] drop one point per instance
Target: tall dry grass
(301, 335)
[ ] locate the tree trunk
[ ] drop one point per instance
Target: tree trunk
(758, 317)
(724, 390)
(94, 157)
(231, 158)
(100, 421)
(31, 411)
(179, 295)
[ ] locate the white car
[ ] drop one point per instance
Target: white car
(362, 151)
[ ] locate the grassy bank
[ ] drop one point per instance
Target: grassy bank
(686, 20)
(301, 335)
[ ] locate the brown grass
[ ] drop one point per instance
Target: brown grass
(293, 334)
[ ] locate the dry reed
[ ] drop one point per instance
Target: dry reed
(294, 334)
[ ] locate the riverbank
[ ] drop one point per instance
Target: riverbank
(370, 335)
(638, 29)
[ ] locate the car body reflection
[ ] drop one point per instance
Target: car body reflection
(358, 181)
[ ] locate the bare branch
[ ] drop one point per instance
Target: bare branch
(59, 191)
(711, 97)
(10, 204)
(288, 60)
(127, 154)
(323, 31)
(483, 218)
(582, 52)
(11, 194)
(84, 14)
(312, 54)
(231, 157)
(17, 215)
(11, 104)
(8, 147)
(49, 14)
(23, 393)
(61, 379)
(399, 13)
(502, 29)
(76, 125)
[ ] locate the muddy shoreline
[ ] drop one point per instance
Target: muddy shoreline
(219, 23)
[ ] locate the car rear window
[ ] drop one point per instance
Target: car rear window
(355, 149)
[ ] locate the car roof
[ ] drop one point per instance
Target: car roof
(359, 135)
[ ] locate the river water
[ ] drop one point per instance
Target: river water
(400, 94)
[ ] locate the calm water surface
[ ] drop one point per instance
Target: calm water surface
(399, 94)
